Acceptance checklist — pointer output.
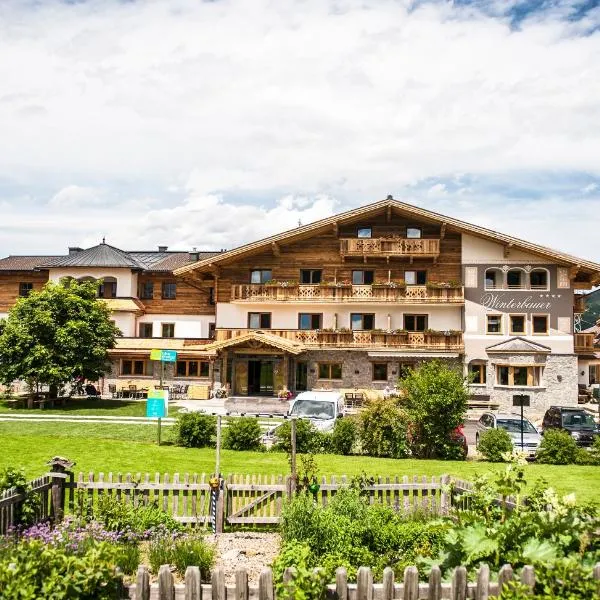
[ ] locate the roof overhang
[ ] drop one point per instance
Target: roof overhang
(399, 354)
(259, 338)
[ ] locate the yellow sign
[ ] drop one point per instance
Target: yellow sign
(155, 354)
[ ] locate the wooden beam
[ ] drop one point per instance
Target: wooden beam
(507, 249)
(334, 226)
(389, 213)
(573, 271)
(275, 249)
(443, 231)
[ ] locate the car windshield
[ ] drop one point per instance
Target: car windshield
(313, 409)
(578, 419)
(514, 425)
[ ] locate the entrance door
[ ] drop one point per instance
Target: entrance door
(301, 376)
(260, 378)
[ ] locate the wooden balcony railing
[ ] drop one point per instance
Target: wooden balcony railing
(412, 294)
(389, 247)
(578, 304)
(438, 341)
(584, 342)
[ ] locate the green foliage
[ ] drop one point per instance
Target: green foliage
(494, 443)
(56, 335)
(26, 510)
(118, 515)
(34, 570)
(181, 552)
(344, 436)
(307, 437)
(243, 433)
(383, 429)
(435, 397)
(557, 448)
(195, 430)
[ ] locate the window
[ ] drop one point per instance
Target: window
(145, 330)
(538, 279)
(211, 330)
(493, 279)
(477, 373)
(415, 277)
(134, 367)
(107, 289)
(517, 324)
(310, 321)
(363, 232)
(515, 279)
(168, 330)
(380, 372)
(363, 277)
(415, 322)
(362, 321)
(518, 375)
(211, 295)
(308, 276)
(25, 289)
(413, 232)
(259, 320)
(330, 370)
(261, 275)
(494, 324)
(169, 290)
(191, 368)
(540, 324)
(147, 290)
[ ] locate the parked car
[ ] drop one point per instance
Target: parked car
(511, 423)
(579, 423)
(321, 408)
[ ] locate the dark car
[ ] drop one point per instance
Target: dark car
(579, 423)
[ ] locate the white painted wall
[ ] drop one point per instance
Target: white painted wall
(477, 250)
(125, 322)
(186, 326)
(127, 281)
(3, 315)
(235, 316)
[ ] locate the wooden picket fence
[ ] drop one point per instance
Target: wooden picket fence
(11, 501)
(462, 586)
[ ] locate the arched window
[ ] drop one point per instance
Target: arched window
(539, 279)
(494, 279)
(108, 288)
(515, 279)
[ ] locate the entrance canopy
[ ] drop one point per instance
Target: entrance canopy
(258, 339)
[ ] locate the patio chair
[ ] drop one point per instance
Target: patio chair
(112, 390)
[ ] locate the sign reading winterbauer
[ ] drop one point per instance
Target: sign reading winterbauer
(497, 302)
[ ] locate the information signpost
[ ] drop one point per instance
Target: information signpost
(157, 405)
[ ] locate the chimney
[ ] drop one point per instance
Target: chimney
(194, 256)
(74, 250)
(163, 248)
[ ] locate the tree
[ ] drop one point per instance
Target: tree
(436, 398)
(56, 335)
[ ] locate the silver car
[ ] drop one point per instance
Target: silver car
(512, 424)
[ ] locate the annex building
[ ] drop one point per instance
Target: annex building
(350, 301)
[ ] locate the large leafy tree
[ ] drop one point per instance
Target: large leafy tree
(436, 397)
(56, 335)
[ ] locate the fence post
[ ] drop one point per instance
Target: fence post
(221, 497)
(193, 584)
(341, 583)
(142, 583)
(265, 585)
(444, 495)
(59, 474)
(364, 584)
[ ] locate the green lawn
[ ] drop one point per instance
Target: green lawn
(87, 406)
(123, 448)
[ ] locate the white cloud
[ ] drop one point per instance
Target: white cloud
(77, 196)
(588, 189)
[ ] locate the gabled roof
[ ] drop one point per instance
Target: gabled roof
(261, 337)
(519, 345)
(307, 231)
(102, 255)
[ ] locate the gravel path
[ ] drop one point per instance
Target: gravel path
(254, 551)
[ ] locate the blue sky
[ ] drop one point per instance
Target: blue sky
(209, 124)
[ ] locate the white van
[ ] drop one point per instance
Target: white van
(321, 408)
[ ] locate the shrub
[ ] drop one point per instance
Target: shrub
(344, 436)
(383, 427)
(243, 433)
(306, 436)
(181, 552)
(196, 430)
(25, 511)
(436, 397)
(557, 448)
(493, 443)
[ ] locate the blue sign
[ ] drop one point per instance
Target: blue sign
(168, 355)
(156, 405)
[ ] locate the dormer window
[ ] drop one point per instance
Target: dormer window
(364, 232)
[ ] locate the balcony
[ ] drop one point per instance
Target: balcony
(584, 342)
(332, 293)
(368, 340)
(387, 247)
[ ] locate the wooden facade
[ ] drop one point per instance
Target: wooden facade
(190, 298)
(10, 285)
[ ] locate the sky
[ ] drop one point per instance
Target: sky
(208, 124)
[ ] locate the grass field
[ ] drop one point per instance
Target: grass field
(123, 448)
(86, 406)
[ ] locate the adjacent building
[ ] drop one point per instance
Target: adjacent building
(351, 301)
